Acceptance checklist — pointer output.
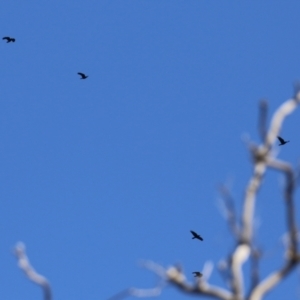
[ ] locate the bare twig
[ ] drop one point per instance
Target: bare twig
(262, 120)
(152, 292)
(223, 268)
(154, 267)
(140, 293)
(29, 271)
(230, 213)
(255, 258)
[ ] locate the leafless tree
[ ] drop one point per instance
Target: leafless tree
(241, 228)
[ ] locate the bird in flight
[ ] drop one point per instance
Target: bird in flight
(197, 274)
(9, 39)
(196, 236)
(83, 76)
(282, 141)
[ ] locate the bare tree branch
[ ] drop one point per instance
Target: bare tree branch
(262, 160)
(232, 269)
(239, 256)
(292, 257)
(282, 112)
(261, 155)
(29, 271)
(262, 120)
(249, 204)
(174, 276)
(255, 259)
(271, 281)
(154, 267)
(230, 212)
(142, 293)
(223, 268)
(202, 288)
(290, 209)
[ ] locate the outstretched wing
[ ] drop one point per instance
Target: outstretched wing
(6, 38)
(81, 74)
(281, 140)
(194, 233)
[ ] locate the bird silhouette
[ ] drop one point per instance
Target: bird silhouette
(83, 76)
(9, 39)
(282, 141)
(197, 274)
(196, 236)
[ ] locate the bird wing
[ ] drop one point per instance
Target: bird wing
(81, 74)
(281, 140)
(193, 233)
(6, 38)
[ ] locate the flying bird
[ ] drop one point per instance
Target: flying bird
(282, 141)
(196, 236)
(9, 39)
(83, 76)
(197, 274)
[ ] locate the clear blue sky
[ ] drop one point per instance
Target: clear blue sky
(99, 173)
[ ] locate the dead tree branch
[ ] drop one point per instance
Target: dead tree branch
(229, 211)
(262, 119)
(255, 259)
(282, 112)
(271, 281)
(29, 271)
(174, 276)
(292, 256)
(262, 160)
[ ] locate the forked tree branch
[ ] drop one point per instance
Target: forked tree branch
(271, 281)
(261, 156)
(262, 160)
(292, 257)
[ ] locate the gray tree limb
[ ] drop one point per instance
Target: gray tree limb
(29, 271)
